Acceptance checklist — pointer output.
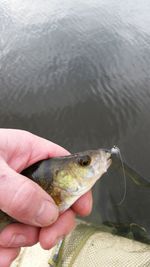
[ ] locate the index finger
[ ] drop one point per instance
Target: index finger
(23, 148)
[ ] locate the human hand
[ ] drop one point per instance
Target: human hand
(24, 200)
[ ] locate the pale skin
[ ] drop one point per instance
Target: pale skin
(26, 201)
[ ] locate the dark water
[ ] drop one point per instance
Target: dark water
(78, 73)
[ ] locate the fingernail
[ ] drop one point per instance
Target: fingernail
(18, 240)
(47, 213)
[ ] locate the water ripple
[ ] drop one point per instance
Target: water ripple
(75, 69)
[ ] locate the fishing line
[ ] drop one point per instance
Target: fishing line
(116, 150)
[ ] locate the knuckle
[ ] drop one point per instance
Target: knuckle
(3, 177)
(23, 201)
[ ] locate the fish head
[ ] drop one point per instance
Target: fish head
(80, 172)
(87, 167)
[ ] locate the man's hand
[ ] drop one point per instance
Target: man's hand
(27, 202)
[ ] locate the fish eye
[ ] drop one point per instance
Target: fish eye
(84, 161)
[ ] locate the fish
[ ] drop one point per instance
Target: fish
(66, 178)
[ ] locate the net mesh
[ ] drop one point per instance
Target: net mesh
(95, 246)
(90, 246)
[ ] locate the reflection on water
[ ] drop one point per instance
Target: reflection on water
(77, 72)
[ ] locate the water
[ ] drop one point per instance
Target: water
(77, 73)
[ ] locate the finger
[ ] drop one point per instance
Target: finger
(83, 206)
(7, 256)
(19, 235)
(25, 200)
(49, 236)
(21, 156)
(41, 148)
(47, 148)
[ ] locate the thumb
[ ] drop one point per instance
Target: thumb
(24, 200)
